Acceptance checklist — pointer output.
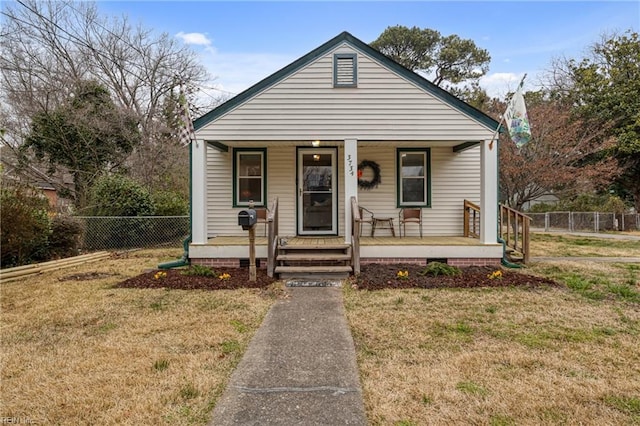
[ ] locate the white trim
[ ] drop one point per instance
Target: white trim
(350, 182)
(204, 251)
(488, 192)
(333, 152)
(398, 252)
(199, 192)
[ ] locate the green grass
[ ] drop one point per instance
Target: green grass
(594, 281)
(189, 391)
(161, 365)
(626, 404)
(239, 326)
(471, 388)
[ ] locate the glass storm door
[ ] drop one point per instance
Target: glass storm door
(317, 191)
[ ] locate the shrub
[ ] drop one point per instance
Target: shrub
(118, 195)
(199, 270)
(25, 226)
(169, 203)
(65, 236)
(437, 268)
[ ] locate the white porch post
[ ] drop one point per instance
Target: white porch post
(489, 192)
(198, 192)
(350, 182)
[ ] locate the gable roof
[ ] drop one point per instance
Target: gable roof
(320, 51)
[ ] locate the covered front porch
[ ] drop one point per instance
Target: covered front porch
(339, 254)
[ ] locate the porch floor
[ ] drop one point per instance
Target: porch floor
(364, 241)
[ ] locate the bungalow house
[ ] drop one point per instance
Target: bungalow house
(335, 145)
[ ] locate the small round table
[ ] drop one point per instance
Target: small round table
(382, 220)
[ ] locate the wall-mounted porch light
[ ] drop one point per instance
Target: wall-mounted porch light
(315, 144)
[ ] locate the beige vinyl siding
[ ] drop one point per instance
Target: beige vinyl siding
(454, 178)
(306, 106)
(281, 183)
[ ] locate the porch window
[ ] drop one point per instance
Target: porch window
(249, 177)
(413, 174)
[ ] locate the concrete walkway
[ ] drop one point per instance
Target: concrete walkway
(299, 369)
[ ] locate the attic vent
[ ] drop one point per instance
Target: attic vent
(345, 70)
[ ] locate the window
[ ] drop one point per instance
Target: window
(345, 70)
(249, 173)
(414, 183)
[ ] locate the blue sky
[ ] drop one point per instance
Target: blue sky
(243, 42)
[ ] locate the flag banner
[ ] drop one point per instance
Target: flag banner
(516, 119)
(186, 132)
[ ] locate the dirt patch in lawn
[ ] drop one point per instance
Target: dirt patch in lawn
(84, 276)
(372, 277)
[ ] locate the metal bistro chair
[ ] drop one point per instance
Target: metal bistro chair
(368, 220)
(405, 216)
(261, 217)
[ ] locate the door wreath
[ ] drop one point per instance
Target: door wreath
(375, 168)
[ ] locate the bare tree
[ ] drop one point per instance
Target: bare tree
(48, 46)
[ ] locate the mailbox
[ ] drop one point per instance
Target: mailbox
(247, 218)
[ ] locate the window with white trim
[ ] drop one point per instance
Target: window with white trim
(413, 174)
(249, 171)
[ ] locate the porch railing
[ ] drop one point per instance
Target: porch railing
(514, 230)
(471, 219)
(355, 236)
(514, 227)
(272, 236)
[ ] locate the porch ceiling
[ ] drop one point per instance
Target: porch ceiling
(327, 143)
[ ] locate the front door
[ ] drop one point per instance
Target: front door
(317, 191)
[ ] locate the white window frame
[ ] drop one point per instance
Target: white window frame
(426, 152)
(237, 153)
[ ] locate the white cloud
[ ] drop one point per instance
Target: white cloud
(499, 84)
(236, 72)
(198, 39)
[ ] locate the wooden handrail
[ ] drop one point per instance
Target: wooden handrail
(471, 219)
(272, 236)
(514, 229)
(355, 236)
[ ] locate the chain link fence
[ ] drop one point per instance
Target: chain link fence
(118, 233)
(584, 221)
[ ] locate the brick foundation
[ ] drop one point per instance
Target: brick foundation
(422, 261)
(459, 262)
(223, 263)
(474, 262)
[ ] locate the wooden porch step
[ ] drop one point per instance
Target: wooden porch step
(315, 247)
(312, 269)
(312, 257)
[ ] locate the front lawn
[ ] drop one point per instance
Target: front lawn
(503, 356)
(77, 350)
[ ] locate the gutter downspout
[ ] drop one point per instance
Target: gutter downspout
(184, 260)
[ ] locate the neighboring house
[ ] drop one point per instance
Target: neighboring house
(298, 137)
(34, 176)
